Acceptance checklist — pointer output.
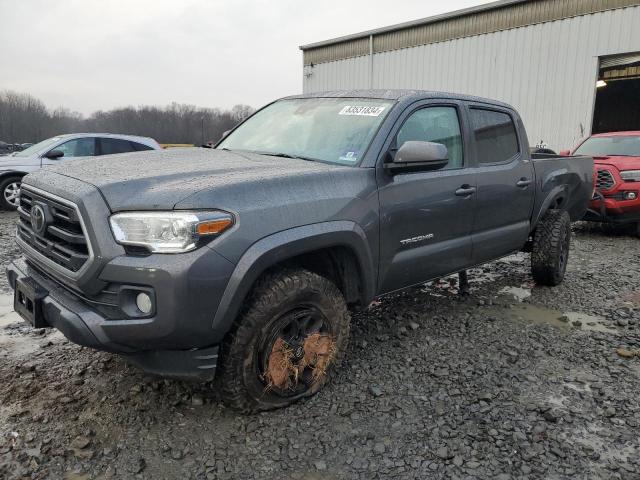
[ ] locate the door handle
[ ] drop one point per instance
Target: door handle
(465, 191)
(523, 182)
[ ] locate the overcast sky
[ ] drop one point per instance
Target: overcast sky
(88, 55)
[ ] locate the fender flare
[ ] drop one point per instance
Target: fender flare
(282, 246)
(551, 198)
(12, 173)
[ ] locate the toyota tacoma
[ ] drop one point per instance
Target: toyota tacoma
(242, 262)
(617, 174)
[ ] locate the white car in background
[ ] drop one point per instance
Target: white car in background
(56, 149)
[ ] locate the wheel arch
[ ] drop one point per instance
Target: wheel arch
(556, 199)
(338, 250)
(8, 174)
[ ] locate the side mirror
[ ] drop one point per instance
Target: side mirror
(418, 156)
(565, 153)
(54, 154)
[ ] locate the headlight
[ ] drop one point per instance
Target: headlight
(630, 175)
(168, 232)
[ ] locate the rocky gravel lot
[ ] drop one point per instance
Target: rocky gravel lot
(514, 381)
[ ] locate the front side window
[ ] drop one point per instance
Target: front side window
(438, 125)
(332, 130)
(110, 146)
(79, 147)
(495, 135)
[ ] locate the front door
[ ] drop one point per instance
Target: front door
(426, 217)
(78, 147)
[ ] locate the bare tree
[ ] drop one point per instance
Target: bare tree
(24, 118)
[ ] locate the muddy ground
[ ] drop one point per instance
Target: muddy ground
(515, 381)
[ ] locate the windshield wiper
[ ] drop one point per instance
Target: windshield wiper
(287, 155)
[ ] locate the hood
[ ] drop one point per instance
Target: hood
(621, 163)
(163, 178)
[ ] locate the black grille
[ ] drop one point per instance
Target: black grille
(605, 180)
(62, 240)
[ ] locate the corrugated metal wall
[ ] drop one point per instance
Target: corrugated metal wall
(494, 19)
(547, 71)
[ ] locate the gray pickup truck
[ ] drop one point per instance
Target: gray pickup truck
(242, 262)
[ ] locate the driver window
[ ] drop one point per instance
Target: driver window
(438, 125)
(80, 147)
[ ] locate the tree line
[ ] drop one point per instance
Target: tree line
(24, 118)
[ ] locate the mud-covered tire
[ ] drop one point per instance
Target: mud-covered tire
(9, 187)
(241, 375)
(550, 252)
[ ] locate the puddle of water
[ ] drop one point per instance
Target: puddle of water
(519, 293)
(556, 401)
(594, 441)
(581, 388)
(541, 315)
(633, 298)
(6, 304)
(16, 344)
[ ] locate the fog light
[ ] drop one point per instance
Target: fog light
(143, 302)
(630, 195)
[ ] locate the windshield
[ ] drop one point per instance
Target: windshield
(334, 130)
(610, 146)
(37, 148)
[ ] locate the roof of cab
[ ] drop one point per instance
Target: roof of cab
(399, 95)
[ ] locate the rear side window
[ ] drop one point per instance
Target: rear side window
(109, 146)
(140, 147)
(495, 135)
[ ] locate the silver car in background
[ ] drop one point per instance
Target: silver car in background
(56, 149)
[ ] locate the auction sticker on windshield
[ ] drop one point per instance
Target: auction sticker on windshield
(363, 111)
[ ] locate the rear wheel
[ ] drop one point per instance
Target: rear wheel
(550, 253)
(291, 336)
(10, 188)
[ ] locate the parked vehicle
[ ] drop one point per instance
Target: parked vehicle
(63, 147)
(246, 258)
(5, 148)
(617, 171)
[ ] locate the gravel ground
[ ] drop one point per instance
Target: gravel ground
(511, 382)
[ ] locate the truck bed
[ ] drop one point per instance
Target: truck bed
(571, 174)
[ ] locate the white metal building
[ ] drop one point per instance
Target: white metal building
(544, 57)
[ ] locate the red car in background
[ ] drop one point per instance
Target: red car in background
(617, 164)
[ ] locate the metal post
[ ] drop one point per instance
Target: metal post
(371, 61)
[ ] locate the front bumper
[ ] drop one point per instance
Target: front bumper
(609, 203)
(177, 341)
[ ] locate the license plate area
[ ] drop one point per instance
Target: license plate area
(27, 301)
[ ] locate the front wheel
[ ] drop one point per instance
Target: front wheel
(550, 253)
(10, 188)
(284, 346)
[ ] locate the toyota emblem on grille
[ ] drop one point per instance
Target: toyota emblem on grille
(38, 220)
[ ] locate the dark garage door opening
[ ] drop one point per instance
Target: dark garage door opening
(617, 105)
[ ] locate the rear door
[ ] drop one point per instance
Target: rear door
(426, 217)
(505, 181)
